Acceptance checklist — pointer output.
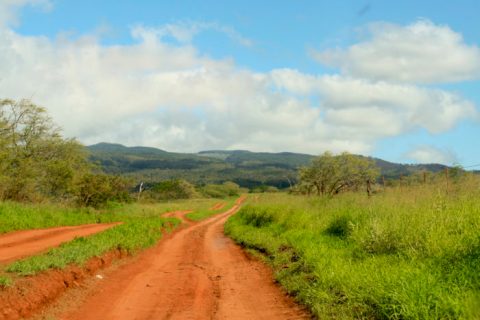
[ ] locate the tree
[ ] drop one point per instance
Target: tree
(97, 190)
(329, 174)
(36, 161)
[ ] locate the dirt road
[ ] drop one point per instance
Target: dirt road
(197, 273)
(178, 214)
(20, 244)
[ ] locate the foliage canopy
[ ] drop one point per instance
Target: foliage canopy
(331, 174)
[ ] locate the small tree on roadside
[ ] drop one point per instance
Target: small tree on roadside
(98, 190)
(331, 174)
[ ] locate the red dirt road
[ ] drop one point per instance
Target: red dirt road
(20, 244)
(178, 214)
(196, 273)
(218, 206)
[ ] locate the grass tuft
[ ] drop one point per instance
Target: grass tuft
(5, 282)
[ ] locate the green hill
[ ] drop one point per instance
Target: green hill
(248, 169)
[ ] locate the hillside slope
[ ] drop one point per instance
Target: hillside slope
(248, 169)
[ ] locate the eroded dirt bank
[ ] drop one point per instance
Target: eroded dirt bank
(31, 294)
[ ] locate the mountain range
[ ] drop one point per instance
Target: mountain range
(248, 169)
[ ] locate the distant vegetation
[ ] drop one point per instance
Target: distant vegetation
(405, 253)
(38, 164)
(252, 170)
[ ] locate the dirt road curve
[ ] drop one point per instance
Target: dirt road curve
(20, 244)
(197, 273)
(178, 214)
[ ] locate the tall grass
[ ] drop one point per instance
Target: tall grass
(411, 253)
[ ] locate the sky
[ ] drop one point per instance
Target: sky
(398, 80)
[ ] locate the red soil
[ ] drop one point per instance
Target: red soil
(178, 214)
(20, 244)
(218, 206)
(196, 273)
(30, 294)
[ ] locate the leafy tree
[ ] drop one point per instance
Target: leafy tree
(329, 174)
(36, 161)
(97, 190)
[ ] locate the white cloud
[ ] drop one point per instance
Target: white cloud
(378, 109)
(431, 154)
(9, 9)
(418, 53)
(172, 97)
(184, 32)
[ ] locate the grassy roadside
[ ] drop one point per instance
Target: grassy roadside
(17, 216)
(404, 254)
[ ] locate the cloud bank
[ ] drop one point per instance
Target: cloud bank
(171, 96)
(418, 53)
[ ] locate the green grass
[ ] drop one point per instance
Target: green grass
(5, 281)
(403, 254)
(17, 216)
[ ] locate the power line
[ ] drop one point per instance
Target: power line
(473, 165)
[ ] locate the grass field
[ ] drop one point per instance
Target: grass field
(18, 216)
(403, 254)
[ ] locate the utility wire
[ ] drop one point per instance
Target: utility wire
(473, 165)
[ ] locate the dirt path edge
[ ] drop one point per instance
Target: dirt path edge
(30, 294)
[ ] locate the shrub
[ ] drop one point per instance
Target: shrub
(97, 190)
(227, 189)
(171, 189)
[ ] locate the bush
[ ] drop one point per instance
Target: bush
(225, 190)
(171, 190)
(341, 226)
(98, 190)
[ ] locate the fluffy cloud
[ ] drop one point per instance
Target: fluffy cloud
(418, 53)
(9, 9)
(431, 154)
(155, 93)
(376, 109)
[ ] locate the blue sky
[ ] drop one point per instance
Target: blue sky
(265, 75)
